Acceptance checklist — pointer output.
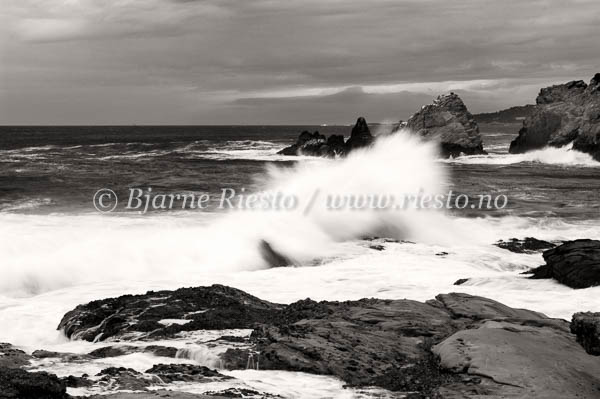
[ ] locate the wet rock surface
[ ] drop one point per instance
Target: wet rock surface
(138, 316)
(169, 373)
(586, 326)
(526, 245)
(12, 357)
(16, 383)
(316, 144)
(434, 349)
(574, 263)
(448, 121)
(384, 343)
(563, 114)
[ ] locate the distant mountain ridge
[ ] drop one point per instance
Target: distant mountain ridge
(510, 115)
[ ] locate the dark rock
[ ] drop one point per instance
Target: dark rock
(461, 281)
(360, 136)
(20, 384)
(120, 350)
(563, 114)
(316, 144)
(166, 394)
(236, 358)
(11, 357)
(336, 145)
(273, 257)
(377, 247)
(365, 342)
(527, 245)
(213, 308)
(574, 263)
(448, 121)
(233, 338)
(169, 373)
(77, 382)
(442, 254)
(121, 378)
(63, 356)
(307, 143)
(540, 272)
(162, 351)
(586, 326)
(242, 393)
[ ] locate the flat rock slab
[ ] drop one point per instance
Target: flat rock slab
(522, 361)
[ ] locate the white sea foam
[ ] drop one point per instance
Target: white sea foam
(566, 156)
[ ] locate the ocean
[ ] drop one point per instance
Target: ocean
(57, 250)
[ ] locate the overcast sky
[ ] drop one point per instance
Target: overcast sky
(282, 61)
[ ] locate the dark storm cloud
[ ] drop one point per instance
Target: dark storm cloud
(220, 61)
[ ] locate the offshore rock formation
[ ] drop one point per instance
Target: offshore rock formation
(574, 263)
(433, 349)
(448, 121)
(360, 136)
(318, 145)
(563, 114)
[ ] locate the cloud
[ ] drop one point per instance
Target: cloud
(209, 53)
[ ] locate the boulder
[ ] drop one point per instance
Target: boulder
(449, 122)
(586, 326)
(566, 113)
(526, 245)
(20, 384)
(136, 316)
(574, 263)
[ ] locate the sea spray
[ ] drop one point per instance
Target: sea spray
(47, 252)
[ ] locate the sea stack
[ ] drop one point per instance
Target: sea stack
(316, 144)
(566, 113)
(448, 121)
(360, 136)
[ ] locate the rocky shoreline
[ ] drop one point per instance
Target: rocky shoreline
(453, 346)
